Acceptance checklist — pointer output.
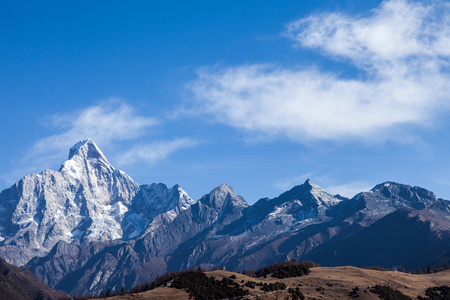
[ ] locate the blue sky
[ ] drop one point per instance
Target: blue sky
(258, 94)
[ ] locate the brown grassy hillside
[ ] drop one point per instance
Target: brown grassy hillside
(321, 283)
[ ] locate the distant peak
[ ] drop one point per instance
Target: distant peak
(223, 188)
(223, 185)
(387, 184)
(406, 192)
(310, 190)
(218, 196)
(310, 186)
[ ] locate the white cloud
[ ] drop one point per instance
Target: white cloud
(397, 32)
(110, 121)
(154, 152)
(108, 124)
(403, 49)
(403, 43)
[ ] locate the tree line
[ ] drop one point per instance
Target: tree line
(179, 279)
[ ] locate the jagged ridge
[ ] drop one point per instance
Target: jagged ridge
(90, 227)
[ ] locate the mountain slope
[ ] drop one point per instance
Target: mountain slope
(299, 225)
(21, 284)
(320, 283)
(402, 238)
(118, 264)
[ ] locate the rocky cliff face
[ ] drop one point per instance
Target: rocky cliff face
(117, 264)
(303, 223)
(86, 200)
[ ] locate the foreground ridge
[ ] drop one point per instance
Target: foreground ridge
(344, 282)
(21, 284)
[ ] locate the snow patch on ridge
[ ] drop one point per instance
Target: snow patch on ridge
(322, 197)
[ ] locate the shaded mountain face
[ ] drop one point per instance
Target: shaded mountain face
(303, 223)
(118, 264)
(21, 284)
(308, 223)
(405, 237)
(89, 227)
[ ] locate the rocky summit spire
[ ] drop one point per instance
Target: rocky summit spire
(86, 200)
(86, 149)
(218, 196)
(86, 154)
(310, 194)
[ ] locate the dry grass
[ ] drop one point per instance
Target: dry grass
(163, 293)
(321, 283)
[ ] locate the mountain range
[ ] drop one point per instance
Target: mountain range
(88, 227)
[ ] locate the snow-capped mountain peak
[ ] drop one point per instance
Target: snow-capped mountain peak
(321, 196)
(86, 200)
(87, 150)
(84, 157)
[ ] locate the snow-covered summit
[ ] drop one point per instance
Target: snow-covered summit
(86, 200)
(84, 155)
(87, 149)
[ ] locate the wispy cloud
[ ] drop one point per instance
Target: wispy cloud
(110, 121)
(402, 50)
(107, 123)
(154, 152)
